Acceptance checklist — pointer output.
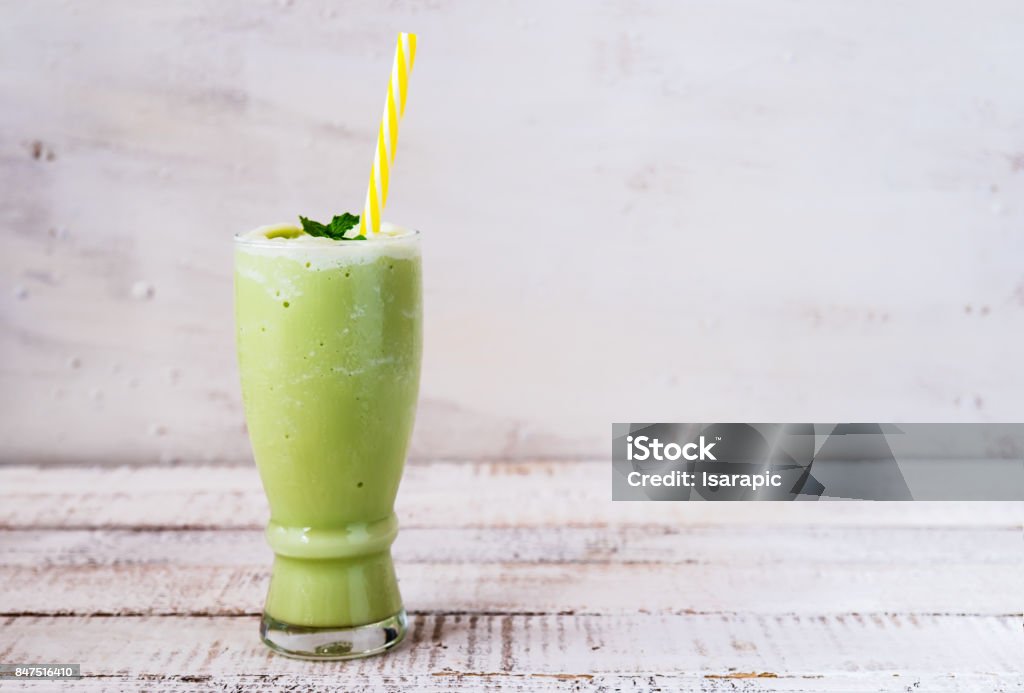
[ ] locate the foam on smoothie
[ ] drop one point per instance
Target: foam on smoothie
(317, 253)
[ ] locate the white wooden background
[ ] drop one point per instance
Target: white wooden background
(735, 210)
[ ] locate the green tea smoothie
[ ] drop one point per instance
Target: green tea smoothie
(329, 344)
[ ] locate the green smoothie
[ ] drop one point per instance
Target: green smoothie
(329, 344)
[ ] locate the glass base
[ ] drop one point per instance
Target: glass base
(305, 642)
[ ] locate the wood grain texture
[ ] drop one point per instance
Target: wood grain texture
(435, 494)
(213, 574)
(684, 211)
(636, 651)
(703, 545)
(444, 681)
(518, 588)
(524, 586)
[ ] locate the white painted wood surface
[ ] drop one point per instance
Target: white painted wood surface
(153, 578)
(632, 211)
(472, 652)
(797, 587)
(435, 494)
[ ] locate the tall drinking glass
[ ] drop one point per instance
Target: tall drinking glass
(329, 337)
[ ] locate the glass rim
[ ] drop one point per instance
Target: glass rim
(241, 239)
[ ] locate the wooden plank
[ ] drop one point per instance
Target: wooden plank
(802, 587)
(438, 494)
(444, 682)
(853, 547)
(578, 652)
(516, 570)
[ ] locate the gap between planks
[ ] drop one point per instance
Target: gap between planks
(857, 548)
(249, 463)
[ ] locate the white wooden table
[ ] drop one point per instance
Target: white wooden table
(518, 576)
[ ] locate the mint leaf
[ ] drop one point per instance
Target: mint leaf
(339, 225)
(314, 228)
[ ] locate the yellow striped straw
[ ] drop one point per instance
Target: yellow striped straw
(387, 136)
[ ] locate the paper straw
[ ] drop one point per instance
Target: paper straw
(387, 135)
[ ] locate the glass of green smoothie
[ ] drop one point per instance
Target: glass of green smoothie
(329, 336)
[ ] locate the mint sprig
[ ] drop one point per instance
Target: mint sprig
(339, 225)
